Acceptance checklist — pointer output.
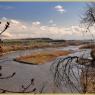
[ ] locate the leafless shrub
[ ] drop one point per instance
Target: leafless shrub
(68, 71)
(88, 18)
(6, 27)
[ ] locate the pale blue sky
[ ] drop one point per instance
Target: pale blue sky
(43, 12)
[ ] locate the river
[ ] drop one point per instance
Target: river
(25, 72)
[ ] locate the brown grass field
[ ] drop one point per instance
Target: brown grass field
(42, 57)
(87, 46)
(8, 48)
(88, 81)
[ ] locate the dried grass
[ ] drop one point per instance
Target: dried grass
(42, 57)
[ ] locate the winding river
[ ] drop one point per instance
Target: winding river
(25, 72)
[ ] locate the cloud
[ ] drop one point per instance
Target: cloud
(15, 21)
(36, 23)
(55, 32)
(43, 27)
(15, 29)
(24, 27)
(6, 7)
(51, 21)
(4, 18)
(6, 35)
(59, 8)
(18, 24)
(53, 24)
(19, 29)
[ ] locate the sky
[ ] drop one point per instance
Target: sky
(56, 20)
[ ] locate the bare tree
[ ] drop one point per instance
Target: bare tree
(6, 27)
(88, 18)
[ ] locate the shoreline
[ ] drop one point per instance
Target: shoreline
(3, 53)
(25, 62)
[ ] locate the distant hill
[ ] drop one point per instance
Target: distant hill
(48, 39)
(30, 39)
(35, 39)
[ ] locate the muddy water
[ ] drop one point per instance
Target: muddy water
(25, 72)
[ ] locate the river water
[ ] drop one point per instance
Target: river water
(25, 72)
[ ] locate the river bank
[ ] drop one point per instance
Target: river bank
(37, 43)
(6, 49)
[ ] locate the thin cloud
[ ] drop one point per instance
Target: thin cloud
(6, 34)
(59, 8)
(15, 21)
(6, 7)
(51, 21)
(36, 23)
(4, 18)
(54, 24)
